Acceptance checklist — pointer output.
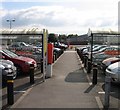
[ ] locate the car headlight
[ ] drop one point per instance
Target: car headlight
(8, 70)
(9, 66)
(28, 63)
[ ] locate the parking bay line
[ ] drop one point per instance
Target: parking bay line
(100, 105)
(19, 91)
(102, 92)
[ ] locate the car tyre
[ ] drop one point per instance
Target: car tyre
(19, 71)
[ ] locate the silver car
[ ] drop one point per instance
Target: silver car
(7, 67)
(23, 46)
(113, 70)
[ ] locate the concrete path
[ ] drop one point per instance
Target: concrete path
(68, 88)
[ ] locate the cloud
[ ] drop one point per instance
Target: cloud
(63, 17)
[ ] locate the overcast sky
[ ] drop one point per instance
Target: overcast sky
(61, 16)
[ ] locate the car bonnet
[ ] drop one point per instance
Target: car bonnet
(114, 65)
(26, 59)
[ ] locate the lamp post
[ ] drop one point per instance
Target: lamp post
(10, 21)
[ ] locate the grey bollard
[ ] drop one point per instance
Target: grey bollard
(107, 91)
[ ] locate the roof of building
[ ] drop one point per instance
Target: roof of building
(103, 32)
(33, 31)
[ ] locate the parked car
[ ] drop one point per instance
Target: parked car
(114, 50)
(7, 67)
(57, 52)
(108, 61)
(95, 48)
(37, 55)
(88, 48)
(113, 70)
(23, 46)
(99, 56)
(60, 45)
(22, 63)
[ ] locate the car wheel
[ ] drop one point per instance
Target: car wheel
(19, 70)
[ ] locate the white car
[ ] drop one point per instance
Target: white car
(113, 70)
(108, 61)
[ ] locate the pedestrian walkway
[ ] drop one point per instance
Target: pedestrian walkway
(66, 89)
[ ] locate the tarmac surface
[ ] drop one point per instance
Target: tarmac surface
(69, 87)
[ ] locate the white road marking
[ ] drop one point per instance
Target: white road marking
(19, 91)
(101, 92)
(104, 92)
(70, 51)
(100, 105)
(37, 77)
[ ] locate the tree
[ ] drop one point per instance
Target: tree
(52, 38)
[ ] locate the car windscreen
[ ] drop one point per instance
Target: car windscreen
(11, 54)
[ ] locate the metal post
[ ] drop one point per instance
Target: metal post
(91, 55)
(85, 61)
(89, 65)
(107, 91)
(41, 65)
(10, 21)
(56, 56)
(10, 92)
(32, 74)
(95, 70)
(53, 58)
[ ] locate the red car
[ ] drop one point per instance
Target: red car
(22, 63)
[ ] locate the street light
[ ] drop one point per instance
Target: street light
(10, 21)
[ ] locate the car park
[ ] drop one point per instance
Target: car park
(113, 71)
(22, 63)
